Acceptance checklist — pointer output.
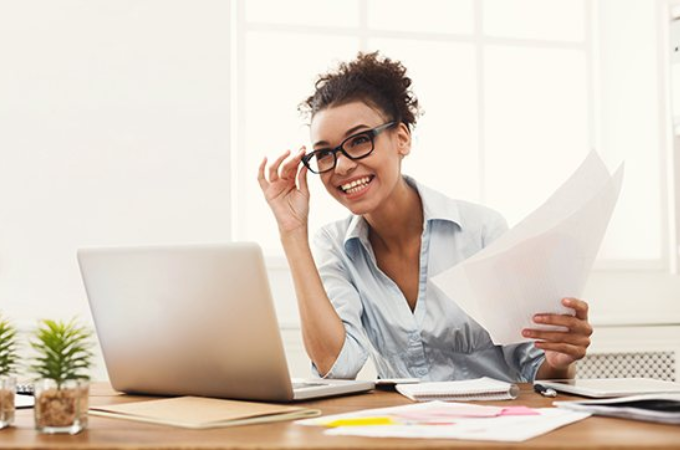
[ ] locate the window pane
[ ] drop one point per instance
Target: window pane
(536, 124)
(630, 116)
(280, 72)
(560, 20)
(444, 154)
(304, 12)
(433, 16)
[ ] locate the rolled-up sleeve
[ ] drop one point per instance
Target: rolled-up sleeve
(524, 359)
(347, 303)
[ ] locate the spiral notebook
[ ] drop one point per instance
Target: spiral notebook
(466, 390)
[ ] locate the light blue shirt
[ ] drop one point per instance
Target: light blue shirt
(435, 342)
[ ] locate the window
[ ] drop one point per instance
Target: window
(496, 96)
(509, 93)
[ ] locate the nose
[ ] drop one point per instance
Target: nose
(344, 165)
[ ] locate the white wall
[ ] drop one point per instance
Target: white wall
(114, 129)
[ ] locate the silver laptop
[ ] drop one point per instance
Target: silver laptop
(193, 320)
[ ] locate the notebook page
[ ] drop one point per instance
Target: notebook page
(478, 389)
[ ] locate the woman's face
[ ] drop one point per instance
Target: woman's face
(361, 185)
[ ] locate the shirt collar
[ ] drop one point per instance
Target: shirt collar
(436, 206)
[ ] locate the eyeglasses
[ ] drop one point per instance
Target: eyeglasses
(357, 146)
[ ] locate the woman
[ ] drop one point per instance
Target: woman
(365, 287)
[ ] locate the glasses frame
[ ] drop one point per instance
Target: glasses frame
(372, 134)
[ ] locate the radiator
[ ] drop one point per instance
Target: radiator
(659, 365)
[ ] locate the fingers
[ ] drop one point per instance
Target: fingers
(281, 167)
(302, 180)
(290, 167)
(568, 337)
(573, 324)
(577, 324)
(575, 351)
(274, 167)
(575, 341)
(260, 174)
(579, 306)
(578, 331)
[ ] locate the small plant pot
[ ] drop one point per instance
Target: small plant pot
(61, 408)
(7, 392)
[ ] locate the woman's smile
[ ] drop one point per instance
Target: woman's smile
(356, 187)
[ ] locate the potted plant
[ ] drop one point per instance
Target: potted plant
(63, 357)
(8, 360)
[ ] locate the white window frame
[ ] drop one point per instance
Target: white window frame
(658, 269)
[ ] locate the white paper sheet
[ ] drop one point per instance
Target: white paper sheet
(544, 258)
(510, 428)
(503, 429)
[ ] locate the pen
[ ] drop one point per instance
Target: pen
(545, 391)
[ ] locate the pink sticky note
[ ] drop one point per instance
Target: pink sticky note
(519, 411)
(450, 412)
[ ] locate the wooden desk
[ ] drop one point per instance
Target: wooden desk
(592, 433)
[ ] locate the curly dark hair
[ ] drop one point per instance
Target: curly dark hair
(375, 80)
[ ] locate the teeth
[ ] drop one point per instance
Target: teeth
(355, 184)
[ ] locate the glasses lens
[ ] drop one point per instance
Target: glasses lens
(359, 145)
(321, 161)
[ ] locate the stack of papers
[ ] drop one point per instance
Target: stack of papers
(662, 408)
(441, 420)
(544, 258)
(200, 412)
(465, 390)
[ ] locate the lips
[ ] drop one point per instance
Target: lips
(356, 185)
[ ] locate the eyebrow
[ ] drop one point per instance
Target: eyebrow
(348, 133)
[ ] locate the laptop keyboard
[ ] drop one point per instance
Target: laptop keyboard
(307, 385)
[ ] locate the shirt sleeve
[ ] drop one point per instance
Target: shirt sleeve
(347, 303)
(524, 359)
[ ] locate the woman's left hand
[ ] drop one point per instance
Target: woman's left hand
(562, 348)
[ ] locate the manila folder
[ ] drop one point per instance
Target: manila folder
(201, 412)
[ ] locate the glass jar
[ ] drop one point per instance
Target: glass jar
(8, 386)
(61, 408)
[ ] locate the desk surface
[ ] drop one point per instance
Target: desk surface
(592, 433)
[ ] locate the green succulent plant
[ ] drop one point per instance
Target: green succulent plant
(8, 347)
(63, 351)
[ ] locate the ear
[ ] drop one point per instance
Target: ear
(403, 136)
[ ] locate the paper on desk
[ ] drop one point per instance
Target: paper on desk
(503, 428)
(425, 413)
(541, 260)
(449, 420)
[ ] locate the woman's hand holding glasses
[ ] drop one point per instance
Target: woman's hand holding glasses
(288, 199)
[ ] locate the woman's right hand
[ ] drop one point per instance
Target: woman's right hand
(289, 201)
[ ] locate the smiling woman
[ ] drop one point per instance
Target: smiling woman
(364, 287)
